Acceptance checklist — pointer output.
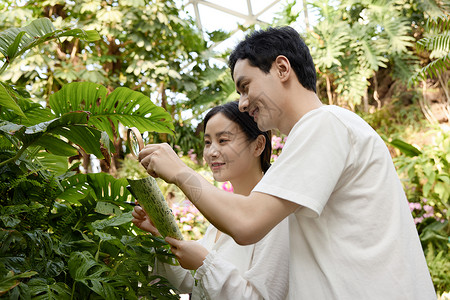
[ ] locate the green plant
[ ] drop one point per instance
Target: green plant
(426, 178)
(438, 43)
(67, 235)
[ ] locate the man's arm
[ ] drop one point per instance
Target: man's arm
(245, 218)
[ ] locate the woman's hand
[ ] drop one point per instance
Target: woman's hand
(190, 254)
(143, 221)
(161, 161)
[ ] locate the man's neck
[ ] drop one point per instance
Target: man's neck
(298, 104)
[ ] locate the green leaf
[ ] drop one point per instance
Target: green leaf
(83, 268)
(40, 289)
(87, 35)
(75, 188)
(405, 148)
(57, 165)
(86, 137)
(16, 41)
(9, 221)
(104, 236)
(108, 208)
(56, 146)
(106, 187)
(10, 281)
(8, 102)
(114, 221)
(12, 49)
(123, 105)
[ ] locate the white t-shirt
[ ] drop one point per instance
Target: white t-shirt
(231, 271)
(353, 236)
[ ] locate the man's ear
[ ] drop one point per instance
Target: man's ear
(283, 67)
(260, 145)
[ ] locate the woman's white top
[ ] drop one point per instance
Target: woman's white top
(231, 271)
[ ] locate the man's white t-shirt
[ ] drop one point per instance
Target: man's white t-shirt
(353, 236)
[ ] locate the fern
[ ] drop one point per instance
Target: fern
(437, 43)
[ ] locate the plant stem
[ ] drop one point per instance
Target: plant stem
(15, 157)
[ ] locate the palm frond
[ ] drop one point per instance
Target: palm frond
(439, 42)
(432, 8)
(439, 23)
(433, 69)
(15, 41)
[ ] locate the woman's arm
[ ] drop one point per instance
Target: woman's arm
(266, 278)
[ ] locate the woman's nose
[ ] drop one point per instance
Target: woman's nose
(212, 151)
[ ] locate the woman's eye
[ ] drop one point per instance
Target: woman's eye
(223, 141)
(207, 143)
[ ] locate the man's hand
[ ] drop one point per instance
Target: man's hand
(190, 254)
(161, 161)
(143, 221)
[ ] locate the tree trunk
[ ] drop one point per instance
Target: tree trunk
(330, 95)
(305, 13)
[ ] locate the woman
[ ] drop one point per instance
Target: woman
(236, 151)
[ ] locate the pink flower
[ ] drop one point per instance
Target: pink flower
(226, 186)
(418, 220)
(428, 208)
(187, 227)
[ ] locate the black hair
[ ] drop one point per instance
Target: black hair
(247, 125)
(262, 47)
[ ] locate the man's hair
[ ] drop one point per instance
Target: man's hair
(262, 47)
(231, 111)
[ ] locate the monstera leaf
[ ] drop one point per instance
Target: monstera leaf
(131, 108)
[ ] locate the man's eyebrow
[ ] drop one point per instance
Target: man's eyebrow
(239, 82)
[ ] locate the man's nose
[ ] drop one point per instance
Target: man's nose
(243, 103)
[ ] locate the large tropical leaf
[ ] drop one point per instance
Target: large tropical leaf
(106, 187)
(75, 188)
(131, 108)
(33, 113)
(8, 102)
(47, 135)
(41, 289)
(15, 41)
(85, 269)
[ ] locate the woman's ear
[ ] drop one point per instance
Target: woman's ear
(260, 145)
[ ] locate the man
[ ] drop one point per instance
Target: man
(351, 232)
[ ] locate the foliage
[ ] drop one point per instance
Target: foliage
(429, 174)
(64, 234)
(439, 46)
(146, 45)
(352, 40)
(426, 174)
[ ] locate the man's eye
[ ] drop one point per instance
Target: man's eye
(207, 143)
(223, 141)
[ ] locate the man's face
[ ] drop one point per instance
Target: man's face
(258, 91)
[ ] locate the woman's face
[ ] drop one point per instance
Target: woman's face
(227, 150)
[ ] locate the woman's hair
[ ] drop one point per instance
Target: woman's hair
(247, 125)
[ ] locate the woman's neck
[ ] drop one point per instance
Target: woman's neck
(245, 184)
